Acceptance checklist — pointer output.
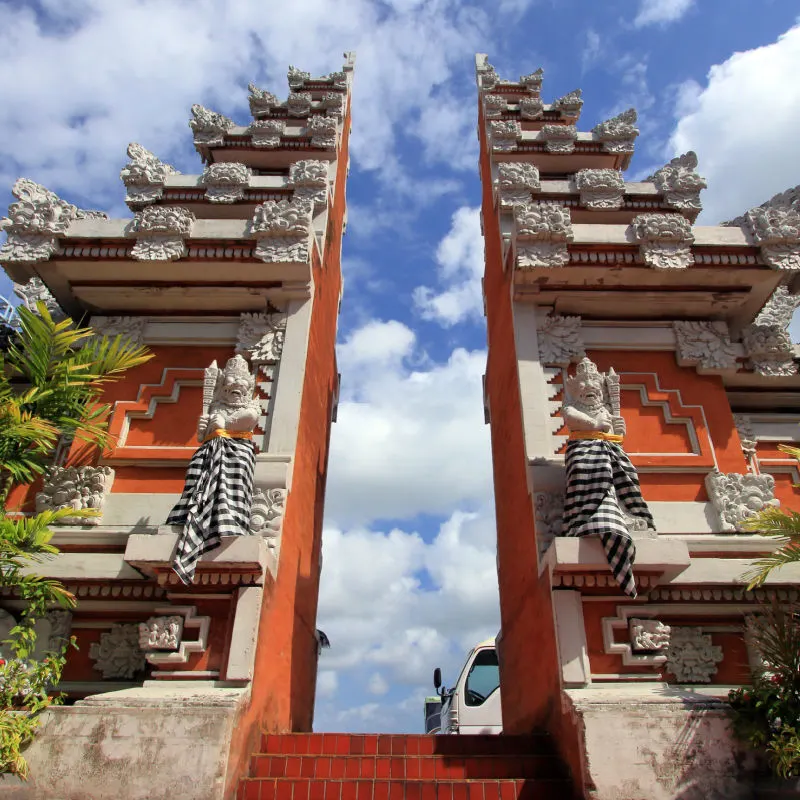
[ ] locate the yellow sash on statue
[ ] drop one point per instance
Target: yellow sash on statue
(606, 437)
(223, 434)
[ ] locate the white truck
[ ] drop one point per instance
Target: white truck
(473, 704)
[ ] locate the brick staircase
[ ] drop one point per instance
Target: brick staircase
(339, 766)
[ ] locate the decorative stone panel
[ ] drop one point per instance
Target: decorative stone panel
(691, 657)
(766, 340)
(298, 104)
(777, 232)
(531, 108)
(209, 127)
(494, 106)
(679, 183)
(737, 497)
(542, 232)
(297, 77)
(333, 103)
(648, 635)
(558, 138)
(560, 340)
(747, 436)
(323, 132)
(78, 488)
(504, 135)
(226, 181)
(309, 181)
(548, 509)
(167, 633)
(130, 328)
(570, 104)
(161, 232)
(600, 189)
(664, 240)
(267, 132)
(144, 177)
(34, 292)
(533, 82)
(266, 515)
(161, 633)
(117, 655)
(261, 336)
(618, 133)
(261, 102)
(515, 182)
(705, 344)
(282, 231)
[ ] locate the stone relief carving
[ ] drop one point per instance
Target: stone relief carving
(531, 108)
(261, 101)
(600, 188)
(309, 181)
(160, 232)
(648, 635)
(226, 181)
(131, 328)
(691, 657)
(504, 135)
(558, 138)
(788, 199)
(533, 82)
(779, 309)
(118, 654)
(664, 240)
(33, 292)
(488, 77)
(747, 436)
(515, 182)
(282, 230)
(560, 339)
(209, 127)
(548, 509)
(298, 104)
(542, 232)
(777, 232)
(705, 344)
(323, 132)
(161, 633)
(570, 104)
(297, 77)
(35, 221)
(494, 106)
(267, 132)
(266, 516)
(618, 133)
(767, 340)
(261, 336)
(333, 103)
(679, 182)
(169, 628)
(144, 176)
(736, 496)
(77, 488)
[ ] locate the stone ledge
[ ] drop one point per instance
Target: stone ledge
(85, 566)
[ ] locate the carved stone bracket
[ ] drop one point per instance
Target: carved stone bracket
(618, 133)
(117, 654)
(705, 344)
(558, 138)
(736, 496)
(533, 81)
(494, 106)
(504, 136)
(226, 181)
(679, 183)
(515, 182)
(777, 232)
(487, 75)
(261, 337)
(33, 292)
(77, 488)
(161, 232)
(570, 104)
(691, 657)
(309, 181)
(130, 328)
(766, 340)
(664, 240)
(298, 104)
(209, 127)
(267, 132)
(282, 230)
(542, 232)
(266, 515)
(297, 77)
(531, 108)
(560, 339)
(323, 132)
(162, 637)
(261, 101)
(333, 103)
(144, 177)
(548, 509)
(600, 188)
(747, 437)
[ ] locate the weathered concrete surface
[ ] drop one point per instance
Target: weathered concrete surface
(149, 743)
(659, 744)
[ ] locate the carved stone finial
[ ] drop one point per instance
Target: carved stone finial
(118, 655)
(261, 101)
(531, 108)
(33, 292)
(618, 133)
(486, 73)
(267, 132)
(766, 341)
(601, 188)
(648, 635)
(504, 135)
(533, 82)
(282, 230)
(705, 344)
(297, 77)
(298, 104)
(515, 182)
(691, 657)
(777, 232)
(226, 181)
(209, 127)
(560, 340)
(323, 132)
(130, 328)
(679, 183)
(160, 233)
(77, 488)
(261, 337)
(788, 199)
(333, 103)
(494, 106)
(542, 232)
(747, 436)
(570, 104)
(558, 138)
(736, 496)
(664, 240)
(144, 177)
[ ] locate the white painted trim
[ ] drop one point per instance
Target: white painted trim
(630, 336)
(727, 571)
(775, 427)
(625, 649)
(244, 636)
(573, 652)
(85, 566)
(137, 511)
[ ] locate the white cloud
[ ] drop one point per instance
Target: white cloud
(661, 12)
(591, 50)
(745, 157)
(377, 684)
(327, 683)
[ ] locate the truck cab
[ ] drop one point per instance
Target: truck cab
(472, 705)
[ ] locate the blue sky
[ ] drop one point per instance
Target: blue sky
(409, 576)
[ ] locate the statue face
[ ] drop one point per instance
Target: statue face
(235, 391)
(588, 392)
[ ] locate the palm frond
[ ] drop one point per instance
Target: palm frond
(789, 554)
(774, 522)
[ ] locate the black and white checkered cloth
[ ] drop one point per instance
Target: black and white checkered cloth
(216, 500)
(600, 476)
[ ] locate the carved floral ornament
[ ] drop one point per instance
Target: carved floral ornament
(323, 131)
(209, 127)
(691, 657)
(309, 180)
(664, 240)
(736, 496)
(333, 103)
(144, 176)
(298, 104)
(161, 232)
(747, 436)
(130, 328)
(261, 101)
(542, 232)
(560, 340)
(705, 344)
(618, 133)
(570, 104)
(505, 135)
(282, 230)
(494, 106)
(118, 655)
(533, 81)
(766, 340)
(226, 181)
(777, 232)
(648, 635)
(261, 336)
(531, 108)
(267, 132)
(600, 189)
(679, 183)
(558, 138)
(266, 515)
(515, 182)
(78, 488)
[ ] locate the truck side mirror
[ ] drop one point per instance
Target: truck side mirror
(437, 679)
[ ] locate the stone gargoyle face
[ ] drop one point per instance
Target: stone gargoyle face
(588, 392)
(235, 392)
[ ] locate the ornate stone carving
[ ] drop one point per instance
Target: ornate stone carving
(309, 181)
(618, 133)
(570, 104)
(679, 183)
(600, 188)
(297, 77)
(494, 106)
(333, 103)
(533, 82)
(267, 132)
(648, 635)
(131, 328)
(487, 75)
(77, 488)
(747, 437)
(226, 181)
(261, 336)
(736, 496)
(504, 135)
(542, 232)
(33, 292)
(531, 108)
(766, 340)
(777, 232)
(691, 657)
(209, 127)
(160, 232)
(664, 240)
(515, 182)
(560, 339)
(548, 509)
(298, 104)
(558, 138)
(323, 132)
(118, 655)
(261, 102)
(144, 176)
(266, 516)
(161, 633)
(704, 344)
(788, 199)
(338, 79)
(779, 309)
(282, 230)
(35, 221)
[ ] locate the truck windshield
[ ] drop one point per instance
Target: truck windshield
(483, 677)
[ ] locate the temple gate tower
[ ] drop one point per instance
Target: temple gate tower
(617, 327)
(175, 681)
